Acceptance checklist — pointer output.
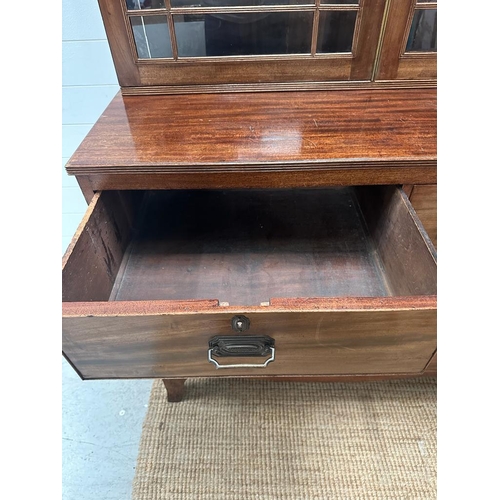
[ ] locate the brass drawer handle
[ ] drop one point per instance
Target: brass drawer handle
(222, 346)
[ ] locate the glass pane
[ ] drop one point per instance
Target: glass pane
(426, 1)
(145, 4)
(152, 37)
(336, 31)
(423, 31)
(340, 2)
(236, 3)
(243, 34)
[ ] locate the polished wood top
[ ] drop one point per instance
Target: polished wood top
(262, 132)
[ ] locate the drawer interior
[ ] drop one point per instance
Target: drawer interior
(245, 247)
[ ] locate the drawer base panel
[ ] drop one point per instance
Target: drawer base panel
(244, 247)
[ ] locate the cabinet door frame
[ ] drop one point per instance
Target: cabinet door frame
(143, 75)
(394, 62)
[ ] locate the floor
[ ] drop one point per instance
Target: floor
(101, 428)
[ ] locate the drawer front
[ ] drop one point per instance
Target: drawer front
(306, 343)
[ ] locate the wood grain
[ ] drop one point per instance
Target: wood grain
(307, 343)
(418, 66)
(302, 304)
(424, 201)
(370, 24)
(246, 176)
(279, 86)
(407, 256)
(398, 15)
(246, 246)
(271, 134)
(96, 251)
(265, 70)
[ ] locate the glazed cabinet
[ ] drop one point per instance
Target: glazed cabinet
(208, 45)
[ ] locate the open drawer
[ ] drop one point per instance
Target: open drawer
(337, 281)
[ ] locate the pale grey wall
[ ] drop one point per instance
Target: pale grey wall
(88, 84)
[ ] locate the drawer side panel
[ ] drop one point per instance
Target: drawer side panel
(424, 201)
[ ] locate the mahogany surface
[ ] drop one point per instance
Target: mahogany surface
(334, 342)
(305, 175)
(264, 133)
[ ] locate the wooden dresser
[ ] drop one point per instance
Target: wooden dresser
(262, 194)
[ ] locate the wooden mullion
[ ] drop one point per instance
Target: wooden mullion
(242, 10)
(419, 55)
(249, 58)
(378, 52)
(334, 55)
(328, 7)
(409, 22)
(315, 30)
(357, 25)
(250, 9)
(147, 12)
(422, 6)
(171, 29)
(369, 21)
(224, 59)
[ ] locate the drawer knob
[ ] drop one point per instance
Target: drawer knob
(229, 346)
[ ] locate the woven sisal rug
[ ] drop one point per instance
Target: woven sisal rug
(250, 439)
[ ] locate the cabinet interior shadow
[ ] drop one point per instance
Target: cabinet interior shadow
(247, 246)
